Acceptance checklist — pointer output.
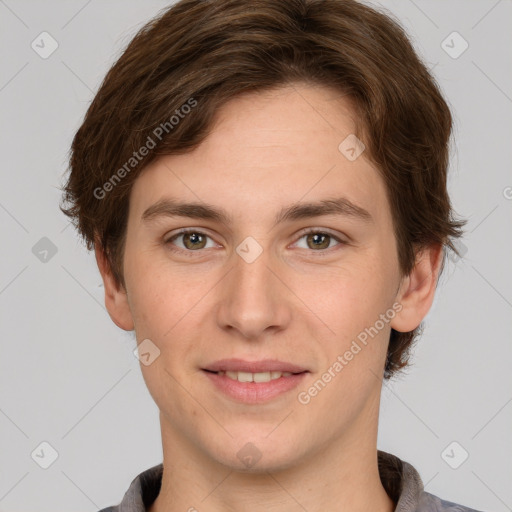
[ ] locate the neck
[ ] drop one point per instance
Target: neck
(339, 476)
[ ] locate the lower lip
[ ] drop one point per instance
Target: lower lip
(255, 392)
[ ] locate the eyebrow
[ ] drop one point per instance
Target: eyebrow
(338, 206)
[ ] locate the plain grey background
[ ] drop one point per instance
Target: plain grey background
(68, 376)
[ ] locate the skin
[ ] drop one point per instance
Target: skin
(265, 152)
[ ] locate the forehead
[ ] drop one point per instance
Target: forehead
(267, 149)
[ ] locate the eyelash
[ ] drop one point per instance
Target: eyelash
(309, 231)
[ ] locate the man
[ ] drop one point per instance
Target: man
(264, 186)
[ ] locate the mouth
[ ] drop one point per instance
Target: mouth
(254, 382)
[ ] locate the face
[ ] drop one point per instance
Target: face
(289, 255)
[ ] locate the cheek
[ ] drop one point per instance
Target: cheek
(167, 308)
(355, 302)
(149, 306)
(348, 297)
(157, 296)
(163, 311)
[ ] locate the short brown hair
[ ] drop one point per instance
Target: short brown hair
(207, 52)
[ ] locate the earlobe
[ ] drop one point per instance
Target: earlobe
(416, 293)
(116, 299)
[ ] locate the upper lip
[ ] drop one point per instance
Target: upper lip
(265, 365)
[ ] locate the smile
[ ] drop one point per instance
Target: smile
(254, 377)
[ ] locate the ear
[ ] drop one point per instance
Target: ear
(116, 299)
(416, 293)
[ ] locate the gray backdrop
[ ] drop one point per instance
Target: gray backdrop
(68, 376)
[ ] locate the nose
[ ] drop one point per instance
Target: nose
(254, 301)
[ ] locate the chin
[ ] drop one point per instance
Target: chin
(259, 454)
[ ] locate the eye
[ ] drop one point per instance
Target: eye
(318, 240)
(190, 240)
(193, 240)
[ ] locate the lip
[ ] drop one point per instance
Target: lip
(265, 365)
(254, 392)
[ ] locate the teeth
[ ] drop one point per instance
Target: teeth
(255, 377)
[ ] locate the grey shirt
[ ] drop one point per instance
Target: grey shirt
(403, 485)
